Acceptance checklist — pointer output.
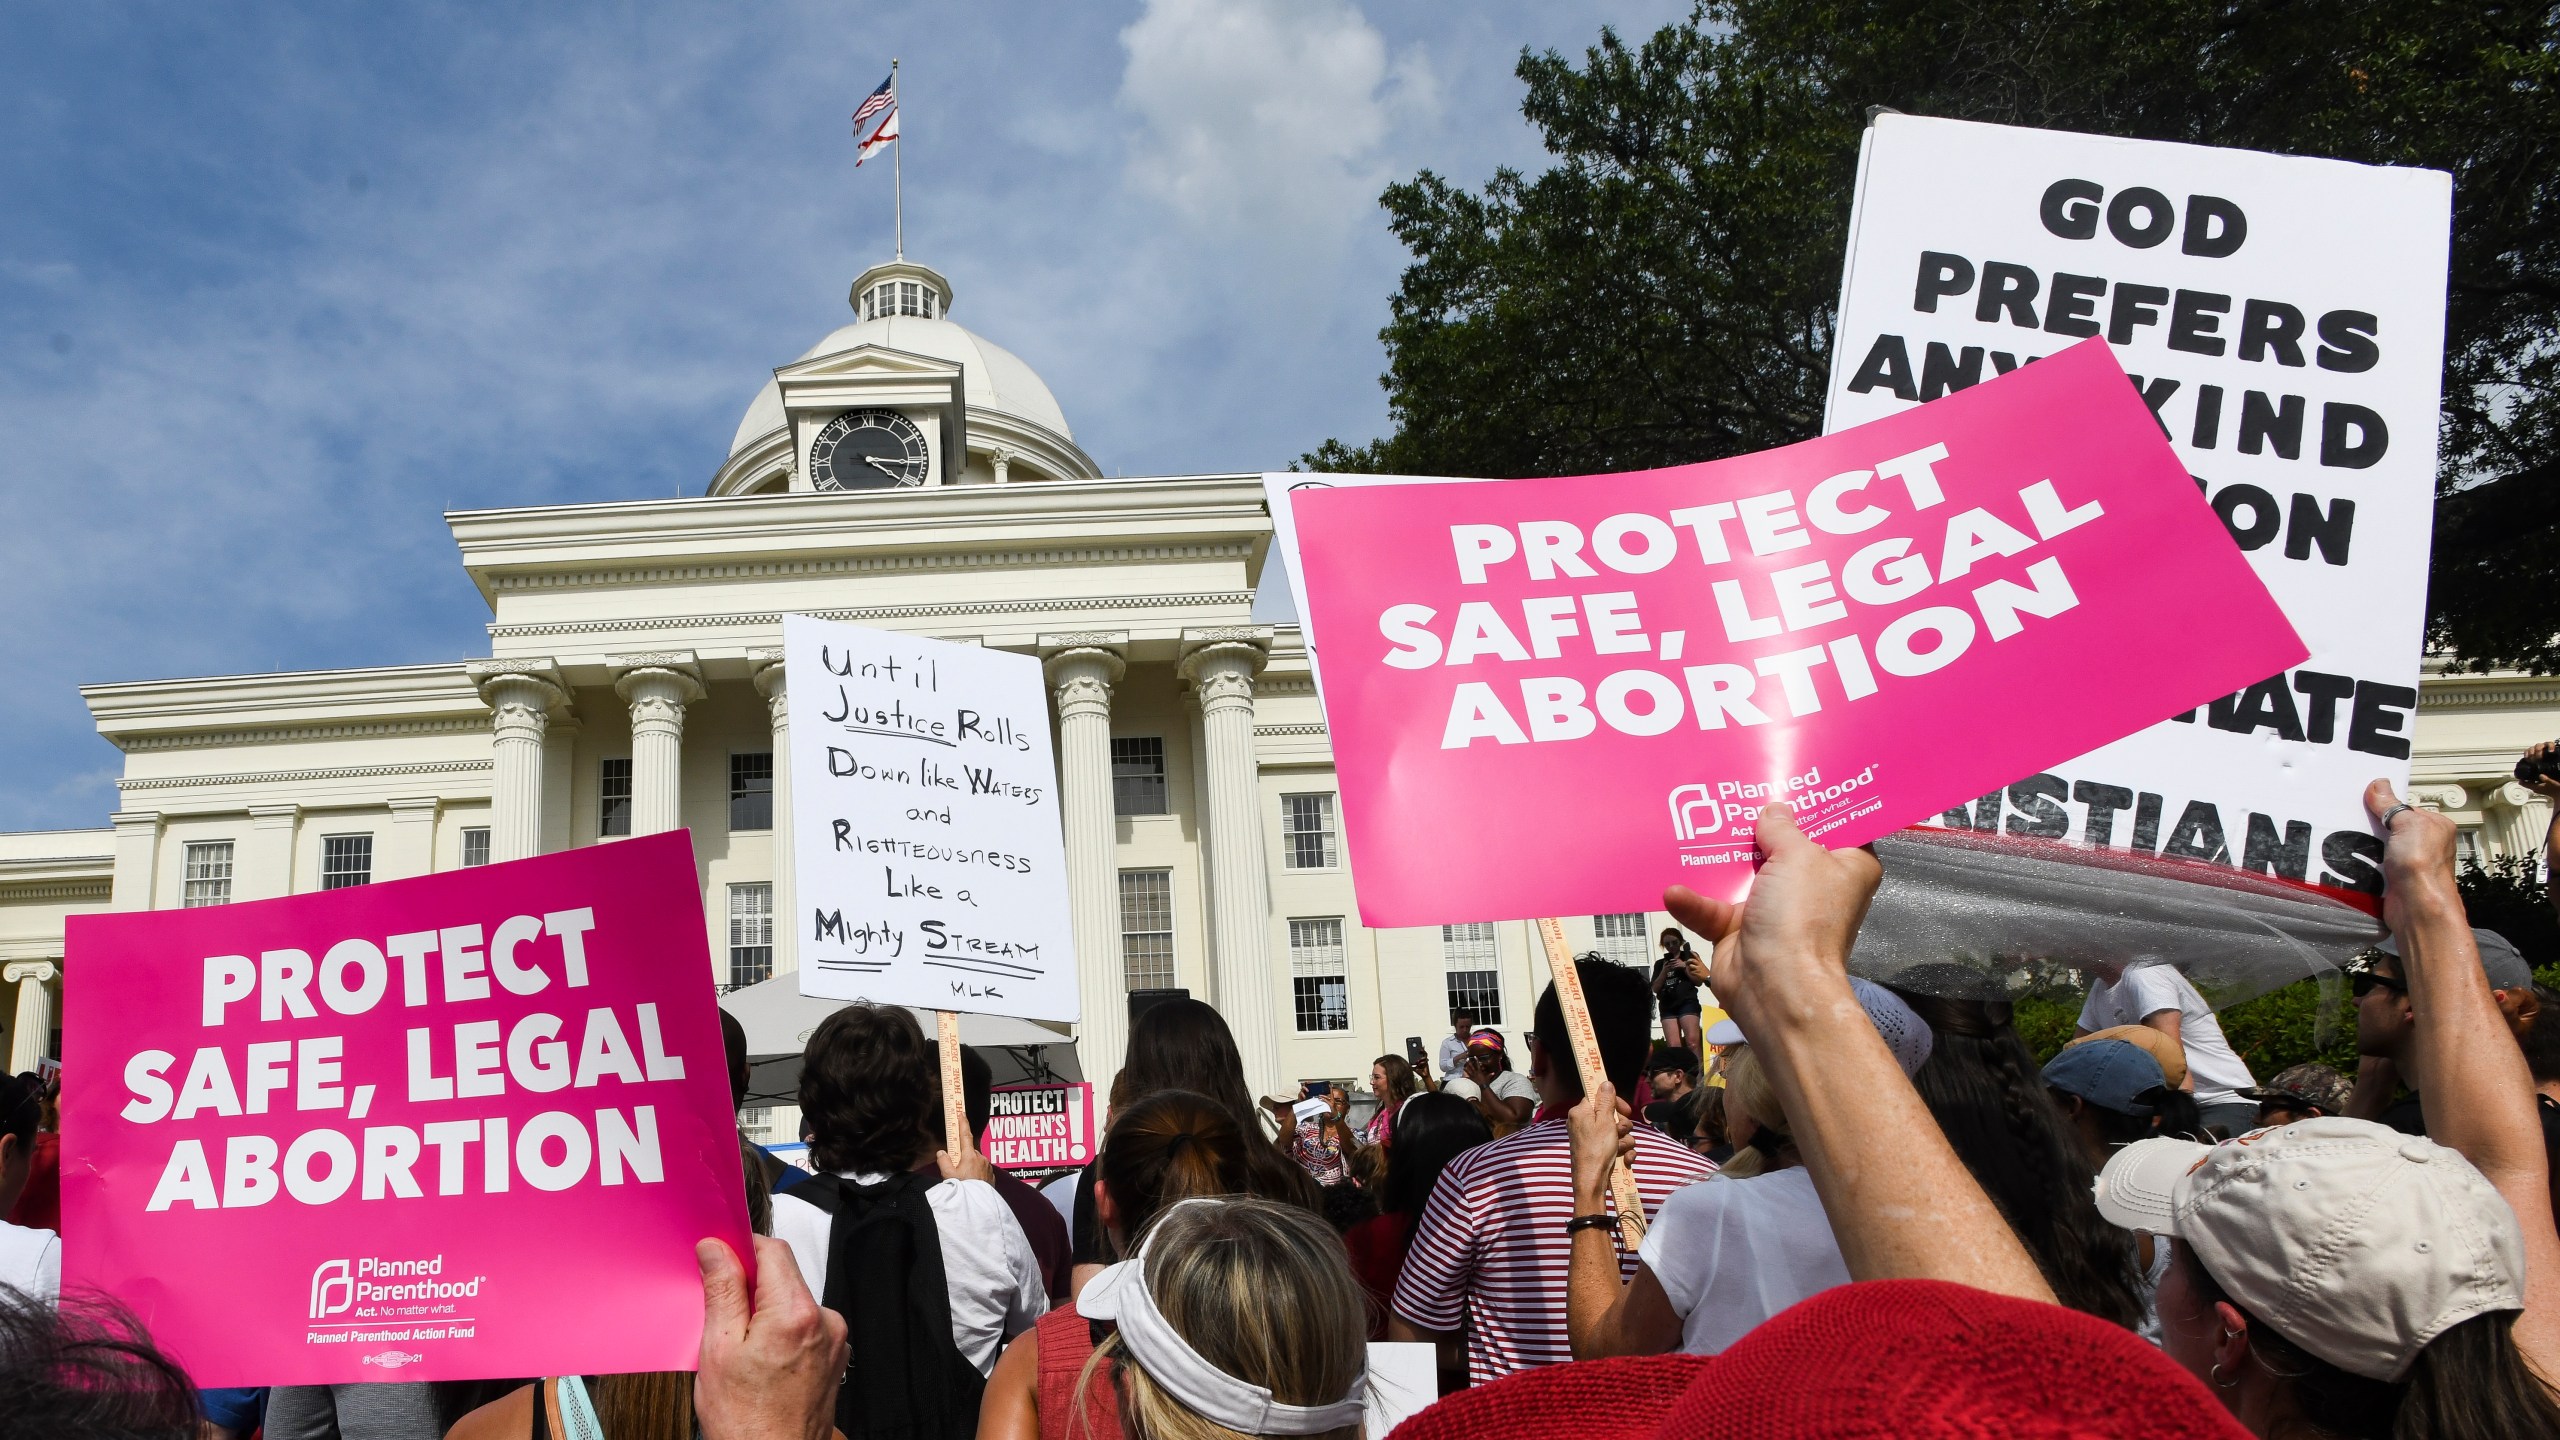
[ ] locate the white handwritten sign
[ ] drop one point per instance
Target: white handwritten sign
(925, 837)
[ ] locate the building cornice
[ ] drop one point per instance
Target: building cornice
(772, 619)
(299, 702)
(196, 740)
(281, 777)
(869, 564)
(2486, 692)
(935, 527)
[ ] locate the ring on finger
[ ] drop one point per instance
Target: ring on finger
(2394, 813)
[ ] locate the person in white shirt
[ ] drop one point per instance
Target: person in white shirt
(1725, 1254)
(30, 1259)
(2160, 997)
(1452, 1054)
(867, 1092)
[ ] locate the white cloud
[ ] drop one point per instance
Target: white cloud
(1268, 118)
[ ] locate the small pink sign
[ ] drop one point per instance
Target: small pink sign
(1041, 1127)
(1557, 697)
(458, 1127)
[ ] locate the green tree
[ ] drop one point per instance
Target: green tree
(1664, 292)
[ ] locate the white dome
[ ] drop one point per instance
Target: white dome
(992, 377)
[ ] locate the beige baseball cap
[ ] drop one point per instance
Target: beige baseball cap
(2356, 1242)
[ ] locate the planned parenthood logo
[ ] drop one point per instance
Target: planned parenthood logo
(1694, 812)
(333, 1289)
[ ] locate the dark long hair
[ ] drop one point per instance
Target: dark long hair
(1431, 1131)
(2469, 1383)
(1183, 1044)
(1984, 1089)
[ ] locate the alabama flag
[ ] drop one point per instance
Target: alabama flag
(887, 132)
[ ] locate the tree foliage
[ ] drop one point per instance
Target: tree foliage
(1665, 291)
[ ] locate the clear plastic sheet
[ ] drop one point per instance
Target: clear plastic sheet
(1993, 917)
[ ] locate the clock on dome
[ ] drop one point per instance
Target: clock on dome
(868, 450)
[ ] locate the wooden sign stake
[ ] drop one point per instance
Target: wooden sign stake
(1586, 1063)
(955, 1104)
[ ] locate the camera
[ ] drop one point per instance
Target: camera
(2530, 769)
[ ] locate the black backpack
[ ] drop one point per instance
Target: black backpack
(906, 1379)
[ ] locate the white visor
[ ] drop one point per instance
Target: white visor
(1120, 1294)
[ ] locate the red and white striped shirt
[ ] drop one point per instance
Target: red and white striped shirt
(1492, 1254)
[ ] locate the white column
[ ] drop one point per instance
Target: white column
(657, 687)
(1220, 665)
(32, 1026)
(265, 870)
(137, 859)
(521, 694)
(1082, 669)
(2517, 820)
(786, 911)
(412, 850)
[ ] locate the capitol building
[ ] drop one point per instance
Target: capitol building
(908, 474)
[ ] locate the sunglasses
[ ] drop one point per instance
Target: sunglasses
(2363, 984)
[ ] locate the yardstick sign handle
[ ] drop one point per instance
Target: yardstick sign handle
(1586, 1063)
(955, 1109)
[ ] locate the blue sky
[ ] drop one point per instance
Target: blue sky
(280, 285)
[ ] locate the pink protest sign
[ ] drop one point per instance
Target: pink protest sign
(1556, 697)
(1040, 1127)
(457, 1127)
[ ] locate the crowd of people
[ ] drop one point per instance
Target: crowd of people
(1867, 1209)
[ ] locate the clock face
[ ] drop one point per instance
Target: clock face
(868, 450)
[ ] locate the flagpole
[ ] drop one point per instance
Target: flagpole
(897, 165)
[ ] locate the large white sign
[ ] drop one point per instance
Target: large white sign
(925, 842)
(2284, 320)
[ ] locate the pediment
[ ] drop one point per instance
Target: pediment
(867, 360)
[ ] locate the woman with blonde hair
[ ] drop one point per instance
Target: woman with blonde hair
(1238, 1317)
(1164, 1150)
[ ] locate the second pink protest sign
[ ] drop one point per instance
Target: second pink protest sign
(1554, 697)
(456, 1127)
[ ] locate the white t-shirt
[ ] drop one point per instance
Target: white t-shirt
(2146, 990)
(1452, 1053)
(1732, 1253)
(31, 1261)
(996, 1288)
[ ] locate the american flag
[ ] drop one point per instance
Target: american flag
(875, 102)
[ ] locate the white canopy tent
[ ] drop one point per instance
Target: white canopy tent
(779, 1020)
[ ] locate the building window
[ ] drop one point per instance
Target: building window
(207, 873)
(475, 846)
(1137, 776)
(751, 791)
(1475, 983)
(1306, 832)
(1146, 928)
(757, 1121)
(1317, 981)
(345, 860)
(750, 934)
(613, 797)
(1621, 937)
